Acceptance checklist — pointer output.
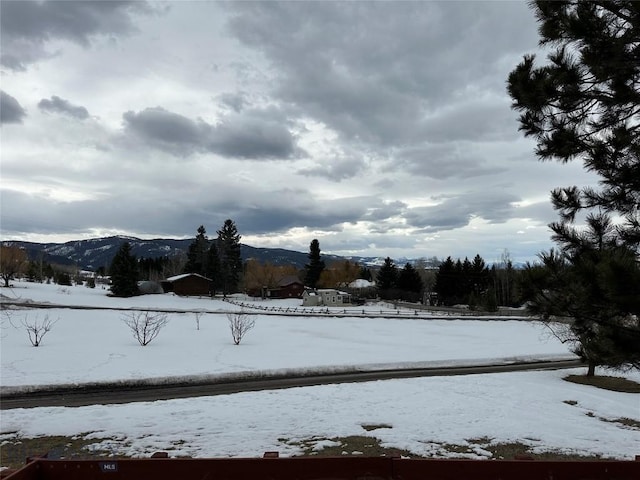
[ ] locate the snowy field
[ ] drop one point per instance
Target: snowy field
(535, 408)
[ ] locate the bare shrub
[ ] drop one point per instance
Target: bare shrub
(145, 325)
(198, 315)
(6, 320)
(37, 329)
(240, 323)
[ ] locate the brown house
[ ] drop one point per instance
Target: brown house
(188, 284)
(288, 287)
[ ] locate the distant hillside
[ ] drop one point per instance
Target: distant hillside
(98, 252)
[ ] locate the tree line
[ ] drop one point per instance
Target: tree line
(14, 262)
(219, 260)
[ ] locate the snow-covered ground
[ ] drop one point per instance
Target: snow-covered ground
(536, 408)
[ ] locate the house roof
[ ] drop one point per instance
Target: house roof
(331, 290)
(288, 280)
(185, 275)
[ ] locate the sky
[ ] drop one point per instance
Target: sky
(422, 415)
(381, 129)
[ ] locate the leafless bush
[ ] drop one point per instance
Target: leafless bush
(198, 315)
(6, 320)
(240, 324)
(37, 329)
(145, 325)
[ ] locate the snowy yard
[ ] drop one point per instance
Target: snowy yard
(421, 415)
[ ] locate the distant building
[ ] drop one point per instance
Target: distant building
(288, 287)
(325, 297)
(188, 284)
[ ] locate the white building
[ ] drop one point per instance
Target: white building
(325, 297)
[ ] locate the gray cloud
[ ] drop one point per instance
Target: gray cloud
(164, 128)
(252, 135)
(471, 121)
(276, 212)
(267, 212)
(383, 211)
(235, 101)
(27, 26)
(443, 161)
(10, 109)
(336, 170)
(456, 211)
(377, 72)
(542, 212)
(43, 215)
(62, 106)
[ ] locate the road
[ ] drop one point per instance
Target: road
(102, 395)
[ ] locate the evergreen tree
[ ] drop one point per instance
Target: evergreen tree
(490, 301)
(480, 278)
(213, 267)
(446, 282)
(409, 284)
(315, 266)
(409, 279)
(597, 284)
(462, 281)
(63, 278)
(229, 253)
(387, 277)
(467, 280)
(479, 270)
(34, 271)
(365, 274)
(197, 253)
(124, 272)
(152, 268)
(585, 104)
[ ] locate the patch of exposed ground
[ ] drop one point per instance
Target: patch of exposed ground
(615, 384)
(15, 449)
(622, 422)
(375, 426)
(472, 448)
(351, 445)
(513, 450)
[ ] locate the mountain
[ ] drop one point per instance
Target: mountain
(94, 253)
(98, 252)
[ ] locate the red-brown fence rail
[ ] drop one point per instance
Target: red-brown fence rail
(317, 468)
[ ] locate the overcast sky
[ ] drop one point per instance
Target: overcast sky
(377, 128)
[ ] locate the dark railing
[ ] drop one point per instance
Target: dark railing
(395, 309)
(316, 468)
